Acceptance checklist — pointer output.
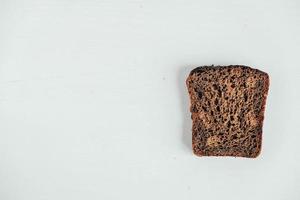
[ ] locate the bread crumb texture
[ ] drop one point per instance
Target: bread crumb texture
(227, 107)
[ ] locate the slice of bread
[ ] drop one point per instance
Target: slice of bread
(227, 106)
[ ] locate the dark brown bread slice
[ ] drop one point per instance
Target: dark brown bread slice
(227, 106)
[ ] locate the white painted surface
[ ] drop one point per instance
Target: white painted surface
(93, 103)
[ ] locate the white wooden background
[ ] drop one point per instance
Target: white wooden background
(93, 103)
